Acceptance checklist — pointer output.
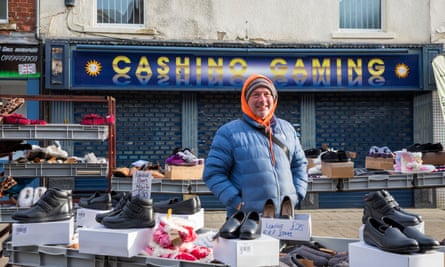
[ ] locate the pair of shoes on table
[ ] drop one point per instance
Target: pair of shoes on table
(29, 196)
(334, 156)
(130, 212)
(54, 205)
(188, 206)
(242, 225)
(391, 236)
(424, 148)
(390, 228)
(307, 256)
(287, 210)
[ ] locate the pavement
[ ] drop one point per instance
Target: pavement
(345, 223)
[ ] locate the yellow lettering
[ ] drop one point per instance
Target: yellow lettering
(117, 60)
(321, 73)
(355, 69)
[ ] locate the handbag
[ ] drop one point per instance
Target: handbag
(274, 138)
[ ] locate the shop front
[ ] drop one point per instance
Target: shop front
(177, 95)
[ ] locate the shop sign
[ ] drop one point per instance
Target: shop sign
(290, 72)
(19, 61)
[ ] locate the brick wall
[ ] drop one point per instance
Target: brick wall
(149, 123)
(22, 13)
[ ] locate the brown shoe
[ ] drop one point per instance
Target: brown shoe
(269, 209)
(287, 208)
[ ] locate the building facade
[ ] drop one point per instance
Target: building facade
(176, 68)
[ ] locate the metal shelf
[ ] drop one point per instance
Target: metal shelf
(53, 132)
(23, 170)
(315, 185)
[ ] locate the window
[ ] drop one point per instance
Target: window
(120, 12)
(361, 14)
(3, 11)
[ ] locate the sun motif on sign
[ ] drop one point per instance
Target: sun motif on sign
(402, 70)
(93, 68)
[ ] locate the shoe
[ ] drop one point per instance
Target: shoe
(54, 205)
(231, 228)
(388, 238)
(38, 193)
(116, 197)
(269, 209)
(251, 227)
(97, 201)
(287, 209)
(25, 197)
(425, 242)
(137, 213)
(381, 203)
(117, 208)
(6, 184)
(318, 258)
(189, 206)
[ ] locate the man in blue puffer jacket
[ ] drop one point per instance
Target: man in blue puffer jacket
(245, 167)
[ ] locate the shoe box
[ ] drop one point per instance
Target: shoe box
(184, 172)
(338, 169)
(263, 251)
(299, 228)
(114, 242)
(43, 233)
(87, 217)
(196, 220)
(379, 163)
(364, 255)
(434, 158)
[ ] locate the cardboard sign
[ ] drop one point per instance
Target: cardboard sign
(141, 184)
(285, 229)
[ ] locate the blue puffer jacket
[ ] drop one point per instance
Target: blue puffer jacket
(239, 167)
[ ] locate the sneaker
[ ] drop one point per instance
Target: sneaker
(26, 197)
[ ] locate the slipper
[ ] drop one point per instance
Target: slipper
(12, 105)
(26, 197)
(7, 184)
(38, 192)
(121, 172)
(16, 119)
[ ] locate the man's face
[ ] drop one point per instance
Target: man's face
(261, 102)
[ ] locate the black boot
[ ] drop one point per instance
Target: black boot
(137, 213)
(381, 203)
(54, 205)
(118, 208)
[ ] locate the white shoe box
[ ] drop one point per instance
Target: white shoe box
(364, 255)
(43, 233)
(263, 251)
(300, 228)
(114, 242)
(87, 217)
(195, 220)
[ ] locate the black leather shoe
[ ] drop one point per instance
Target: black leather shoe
(118, 208)
(231, 228)
(54, 205)
(116, 197)
(137, 213)
(381, 203)
(251, 227)
(425, 242)
(97, 201)
(287, 209)
(388, 238)
(189, 206)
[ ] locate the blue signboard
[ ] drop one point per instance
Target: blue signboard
(142, 70)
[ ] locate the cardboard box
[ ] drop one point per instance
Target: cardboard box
(434, 158)
(337, 169)
(184, 172)
(300, 228)
(114, 242)
(379, 163)
(87, 217)
(364, 255)
(196, 220)
(263, 251)
(43, 233)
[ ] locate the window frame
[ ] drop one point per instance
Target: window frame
(4, 20)
(118, 26)
(356, 21)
